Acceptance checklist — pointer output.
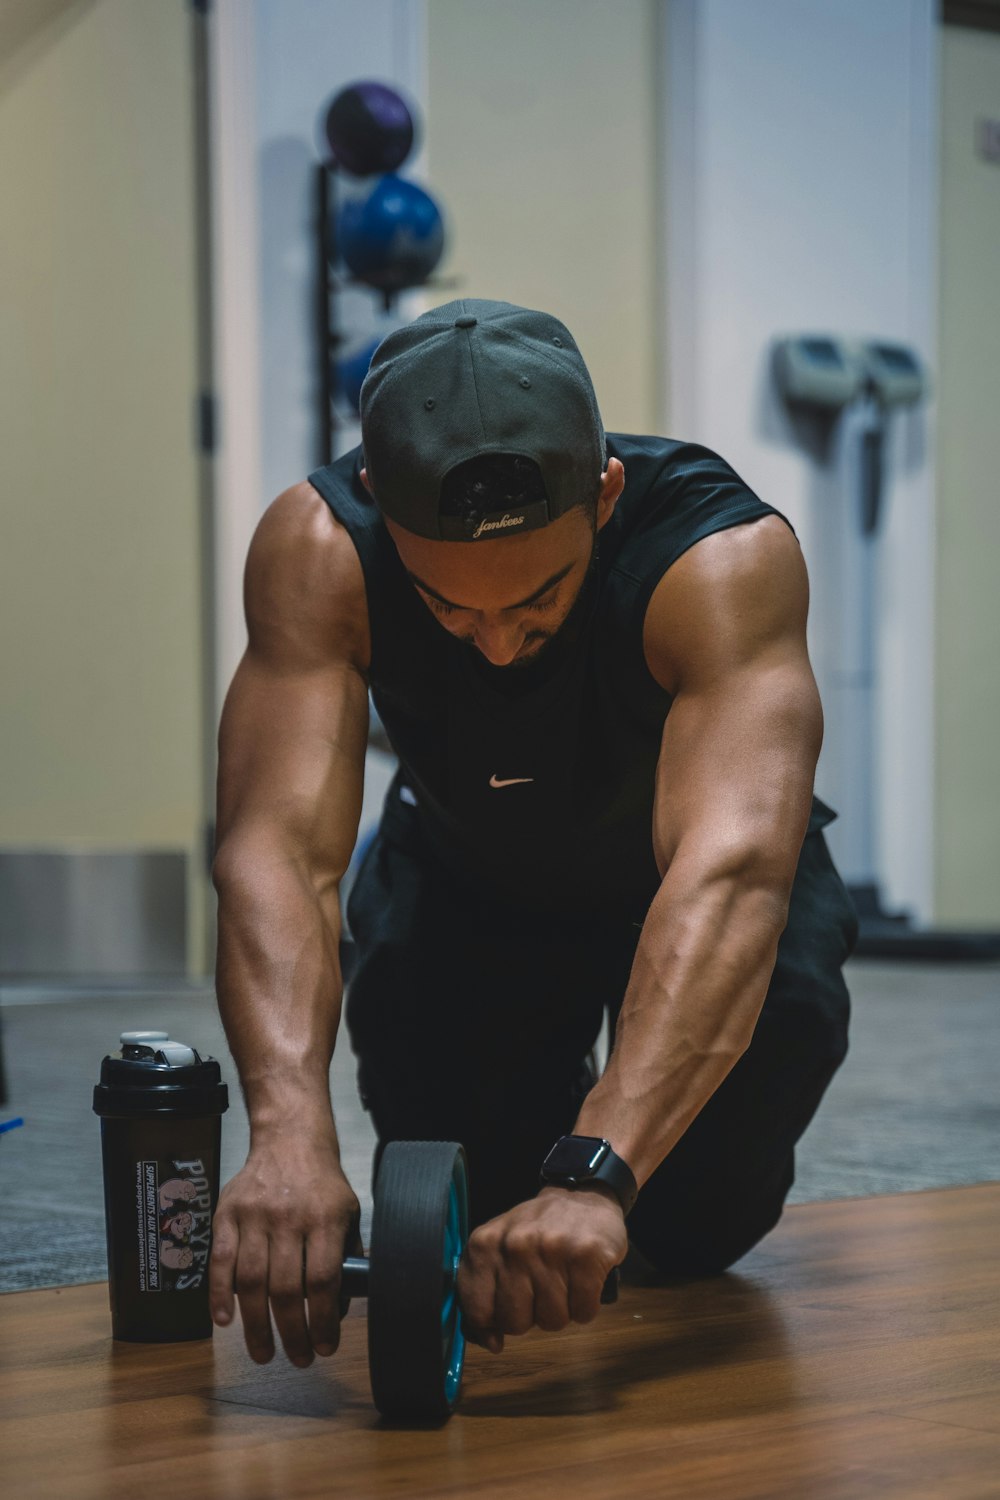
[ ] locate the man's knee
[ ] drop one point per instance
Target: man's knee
(702, 1243)
(708, 1255)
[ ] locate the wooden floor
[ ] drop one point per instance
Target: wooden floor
(855, 1354)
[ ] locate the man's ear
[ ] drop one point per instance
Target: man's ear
(612, 484)
(365, 481)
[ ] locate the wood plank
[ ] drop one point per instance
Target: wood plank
(853, 1353)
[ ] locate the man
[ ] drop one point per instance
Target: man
(589, 653)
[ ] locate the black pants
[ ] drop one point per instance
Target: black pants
(473, 1023)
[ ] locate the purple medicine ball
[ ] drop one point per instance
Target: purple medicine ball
(369, 129)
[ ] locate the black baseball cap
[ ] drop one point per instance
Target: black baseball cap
(475, 377)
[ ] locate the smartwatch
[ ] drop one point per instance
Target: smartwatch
(576, 1160)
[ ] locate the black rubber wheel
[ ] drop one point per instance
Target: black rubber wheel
(416, 1347)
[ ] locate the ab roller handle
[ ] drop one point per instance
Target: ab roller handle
(355, 1269)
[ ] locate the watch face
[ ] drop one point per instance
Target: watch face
(576, 1155)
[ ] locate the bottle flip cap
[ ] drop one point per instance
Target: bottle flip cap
(137, 1045)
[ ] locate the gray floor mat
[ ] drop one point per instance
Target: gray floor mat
(915, 1105)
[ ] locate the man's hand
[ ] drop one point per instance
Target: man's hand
(544, 1262)
(281, 1231)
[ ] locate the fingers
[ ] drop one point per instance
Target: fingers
(323, 1273)
(274, 1271)
(286, 1286)
(476, 1291)
(221, 1268)
(514, 1277)
(552, 1298)
(584, 1299)
(515, 1301)
(268, 1277)
(476, 1286)
(251, 1289)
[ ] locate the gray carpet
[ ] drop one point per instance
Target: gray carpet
(915, 1105)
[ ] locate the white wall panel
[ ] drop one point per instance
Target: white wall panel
(801, 178)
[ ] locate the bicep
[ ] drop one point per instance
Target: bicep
(291, 765)
(293, 732)
(740, 743)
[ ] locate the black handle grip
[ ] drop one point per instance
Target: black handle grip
(610, 1291)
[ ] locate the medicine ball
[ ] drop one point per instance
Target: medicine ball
(369, 129)
(393, 238)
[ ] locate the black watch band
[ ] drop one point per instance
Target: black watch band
(577, 1160)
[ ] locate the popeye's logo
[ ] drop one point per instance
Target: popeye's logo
(505, 520)
(186, 1223)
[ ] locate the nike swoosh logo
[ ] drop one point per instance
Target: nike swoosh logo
(511, 781)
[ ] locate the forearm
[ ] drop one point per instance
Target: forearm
(280, 990)
(698, 982)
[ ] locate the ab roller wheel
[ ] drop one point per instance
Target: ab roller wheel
(416, 1347)
(419, 1229)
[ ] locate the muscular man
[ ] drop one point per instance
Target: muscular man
(589, 653)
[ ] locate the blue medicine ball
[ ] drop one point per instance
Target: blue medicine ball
(394, 238)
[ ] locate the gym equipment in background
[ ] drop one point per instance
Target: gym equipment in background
(388, 239)
(350, 372)
(394, 238)
(369, 128)
(820, 377)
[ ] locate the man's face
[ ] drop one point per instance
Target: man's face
(508, 596)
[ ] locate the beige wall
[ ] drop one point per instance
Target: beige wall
(968, 478)
(100, 649)
(541, 137)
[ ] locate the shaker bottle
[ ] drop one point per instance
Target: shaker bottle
(161, 1108)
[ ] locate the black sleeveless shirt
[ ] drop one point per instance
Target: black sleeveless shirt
(573, 741)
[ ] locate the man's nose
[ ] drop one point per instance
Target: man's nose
(498, 640)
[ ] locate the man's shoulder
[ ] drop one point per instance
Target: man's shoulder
(651, 460)
(297, 527)
(726, 600)
(303, 567)
(339, 486)
(675, 492)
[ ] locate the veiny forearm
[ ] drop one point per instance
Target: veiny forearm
(698, 982)
(280, 991)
